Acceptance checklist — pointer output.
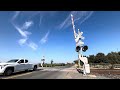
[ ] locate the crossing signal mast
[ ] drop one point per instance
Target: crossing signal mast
(42, 61)
(80, 47)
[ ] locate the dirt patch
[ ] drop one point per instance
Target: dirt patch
(111, 73)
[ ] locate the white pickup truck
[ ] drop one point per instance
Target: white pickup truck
(16, 65)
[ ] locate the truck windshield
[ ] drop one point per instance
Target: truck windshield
(13, 61)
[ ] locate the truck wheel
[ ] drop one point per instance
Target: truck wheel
(26, 70)
(8, 72)
(35, 68)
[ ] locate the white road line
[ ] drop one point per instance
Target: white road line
(17, 76)
(50, 70)
(91, 75)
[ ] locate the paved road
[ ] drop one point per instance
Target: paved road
(41, 73)
(52, 73)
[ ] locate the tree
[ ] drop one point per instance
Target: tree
(91, 58)
(113, 58)
(100, 58)
(118, 57)
(119, 52)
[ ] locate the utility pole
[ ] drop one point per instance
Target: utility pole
(51, 63)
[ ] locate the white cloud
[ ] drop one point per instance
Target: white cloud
(25, 38)
(22, 41)
(32, 45)
(27, 24)
(45, 38)
(23, 33)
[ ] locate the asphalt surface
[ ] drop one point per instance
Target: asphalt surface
(41, 73)
(62, 72)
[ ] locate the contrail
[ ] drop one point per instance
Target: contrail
(78, 15)
(40, 21)
(45, 38)
(87, 17)
(15, 15)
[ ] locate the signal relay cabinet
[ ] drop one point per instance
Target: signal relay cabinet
(87, 68)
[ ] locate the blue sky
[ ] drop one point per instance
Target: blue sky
(34, 34)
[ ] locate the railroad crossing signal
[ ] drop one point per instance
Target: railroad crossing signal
(84, 48)
(80, 47)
